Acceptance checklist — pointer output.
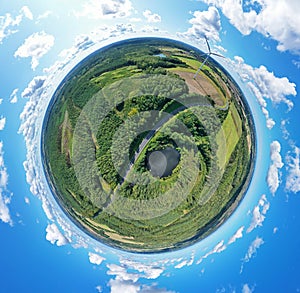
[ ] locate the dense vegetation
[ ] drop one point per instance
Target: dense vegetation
(216, 147)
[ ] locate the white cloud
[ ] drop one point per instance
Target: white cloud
(4, 199)
(283, 127)
(13, 98)
(99, 289)
(105, 9)
(8, 23)
(187, 262)
(4, 210)
(259, 213)
(2, 122)
(95, 258)
(293, 171)
(128, 282)
(45, 204)
(149, 29)
(1, 100)
(27, 200)
(273, 177)
(118, 285)
(247, 289)
(296, 63)
(3, 177)
(151, 17)
(81, 43)
(35, 47)
(286, 31)
(55, 236)
(204, 23)
(254, 246)
(147, 271)
(27, 13)
(220, 49)
(217, 249)
(121, 273)
(31, 118)
(238, 234)
(34, 85)
(265, 86)
(44, 15)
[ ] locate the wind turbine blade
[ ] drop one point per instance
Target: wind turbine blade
(208, 46)
(218, 55)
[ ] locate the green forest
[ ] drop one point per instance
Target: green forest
(216, 147)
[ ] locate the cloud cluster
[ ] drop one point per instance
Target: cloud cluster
(4, 199)
(186, 262)
(38, 92)
(105, 9)
(273, 176)
(84, 42)
(95, 258)
(276, 19)
(44, 15)
(283, 127)
(254, 246)
(265, 86)
(258, 216)
(8, 23)
(246, 289)
(34, 85)
(259, 213)
(27, 12)
(35, 47)
(293, 171)
(237, 235)
(151, 17)
(128, 282)
(204, 23)
(55, 236)
(219, 247)
(296, 63)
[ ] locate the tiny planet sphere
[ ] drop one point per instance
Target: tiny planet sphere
(148, 145)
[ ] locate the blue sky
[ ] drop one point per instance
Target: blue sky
(256, 250)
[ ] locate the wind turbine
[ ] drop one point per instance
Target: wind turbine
(207, 56)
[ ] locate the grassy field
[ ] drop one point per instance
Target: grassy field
(229, 135)
(111, 76)
(195, 64)
(182, 69)
(66, 136)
